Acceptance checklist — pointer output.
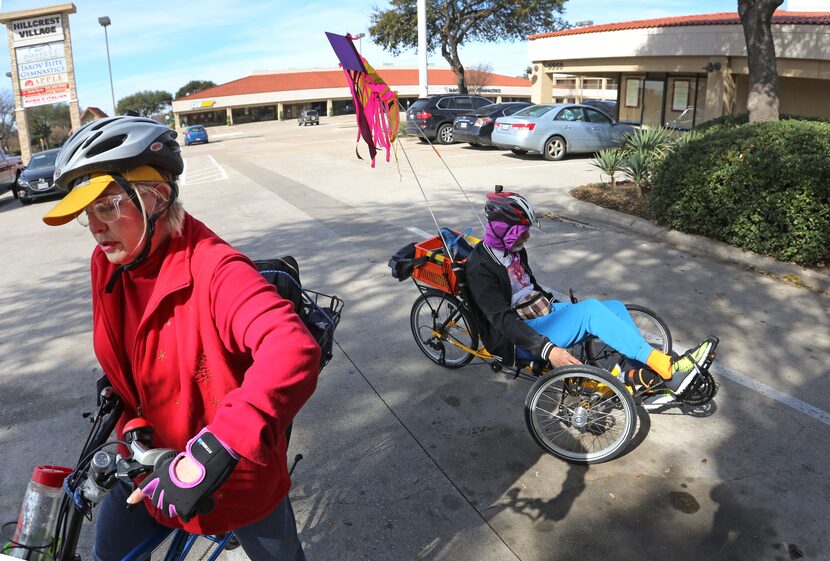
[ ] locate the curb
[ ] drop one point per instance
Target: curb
(786, 272)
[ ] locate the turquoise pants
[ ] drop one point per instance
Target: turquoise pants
(608, 320)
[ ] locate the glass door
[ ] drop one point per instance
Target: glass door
(653, 103)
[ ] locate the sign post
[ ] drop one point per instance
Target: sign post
(41, 62)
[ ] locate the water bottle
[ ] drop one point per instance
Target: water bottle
(39, 512)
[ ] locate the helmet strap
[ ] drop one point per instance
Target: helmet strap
(132, 193)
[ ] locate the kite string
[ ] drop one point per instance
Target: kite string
(458, 183)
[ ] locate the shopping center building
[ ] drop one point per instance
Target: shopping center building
(681, 71)
(265, 96)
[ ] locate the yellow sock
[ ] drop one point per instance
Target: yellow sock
(660, 363)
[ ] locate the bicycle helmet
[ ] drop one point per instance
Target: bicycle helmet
(511, 208)
(123, 150)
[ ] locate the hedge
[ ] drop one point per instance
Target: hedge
(764, 187)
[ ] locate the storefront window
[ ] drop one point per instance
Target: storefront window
(254, 114)
(631, 99)
(680, 102)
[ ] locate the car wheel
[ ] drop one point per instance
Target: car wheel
(444, 135)
(25, 201)
(554, 149)
(15, 193)
(474, 144)
(518, 152)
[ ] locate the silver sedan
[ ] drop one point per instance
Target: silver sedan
(558, 129)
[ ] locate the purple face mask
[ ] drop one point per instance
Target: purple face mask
(504, 236)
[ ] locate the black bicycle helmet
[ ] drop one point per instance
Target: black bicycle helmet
(511, 208)
(117, 144)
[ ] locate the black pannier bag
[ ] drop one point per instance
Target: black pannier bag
(403, 262)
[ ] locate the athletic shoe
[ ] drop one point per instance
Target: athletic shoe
(686, 368)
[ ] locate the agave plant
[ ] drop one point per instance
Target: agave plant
(653, 143)
(609, 162)
(637, 167)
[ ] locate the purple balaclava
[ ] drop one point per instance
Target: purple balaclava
(503, 236)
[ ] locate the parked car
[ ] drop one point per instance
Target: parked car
(35, 182)
(308, 117)
(609, 107)
(432, 117)
(195, 133)
(476, 127)
(558, 129)
(10, 168)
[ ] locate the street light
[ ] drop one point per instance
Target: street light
(105, 21)
(359, 38)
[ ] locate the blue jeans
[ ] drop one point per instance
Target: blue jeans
(568, 324)
(118, 531)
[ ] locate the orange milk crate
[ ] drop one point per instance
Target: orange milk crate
(436, 271)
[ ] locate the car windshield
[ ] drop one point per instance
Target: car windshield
(311, 113)
(533, 111)
(44, 160)
(198, 128)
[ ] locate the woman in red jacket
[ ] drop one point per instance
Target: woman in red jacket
(193, 339)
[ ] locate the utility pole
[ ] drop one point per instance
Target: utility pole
(423, 79)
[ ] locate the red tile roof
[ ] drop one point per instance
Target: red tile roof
(320, 79)
(722, 18)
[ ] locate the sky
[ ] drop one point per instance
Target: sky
(162, 45)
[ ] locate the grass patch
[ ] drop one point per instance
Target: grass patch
(622, 198)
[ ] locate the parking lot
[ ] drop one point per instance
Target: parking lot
(406, 460)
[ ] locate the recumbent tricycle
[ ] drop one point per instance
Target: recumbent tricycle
(582, 414)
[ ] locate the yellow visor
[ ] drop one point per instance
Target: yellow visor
(90, 188)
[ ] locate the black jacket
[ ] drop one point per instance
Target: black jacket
(489, 287)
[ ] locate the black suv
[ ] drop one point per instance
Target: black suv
(308, 117)
(433, 116)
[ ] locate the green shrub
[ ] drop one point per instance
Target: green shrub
(761, 186)
(732, 121)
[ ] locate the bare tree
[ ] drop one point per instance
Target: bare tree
(6, 118)
(756, 19)
(478, 77)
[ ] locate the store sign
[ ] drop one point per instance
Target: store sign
(474, 90)
(41, 68)
(36, 53)
(41, 29)
(202, 104)
(45, 95)
(51, 80)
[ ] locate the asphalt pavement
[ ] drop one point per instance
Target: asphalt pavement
(407, 460)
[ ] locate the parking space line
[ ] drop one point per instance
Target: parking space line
(418, 231)
(767, 391)
(222, 173)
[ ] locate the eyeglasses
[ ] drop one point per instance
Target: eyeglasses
(107, 210)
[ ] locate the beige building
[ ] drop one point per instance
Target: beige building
(681, 71)
(266, 96)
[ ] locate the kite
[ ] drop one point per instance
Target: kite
(375, 104)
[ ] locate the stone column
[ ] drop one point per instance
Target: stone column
(280, 113)
(74, 107)
(541, 84)
(229, 116)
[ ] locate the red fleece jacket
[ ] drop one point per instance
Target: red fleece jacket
(216, 346)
